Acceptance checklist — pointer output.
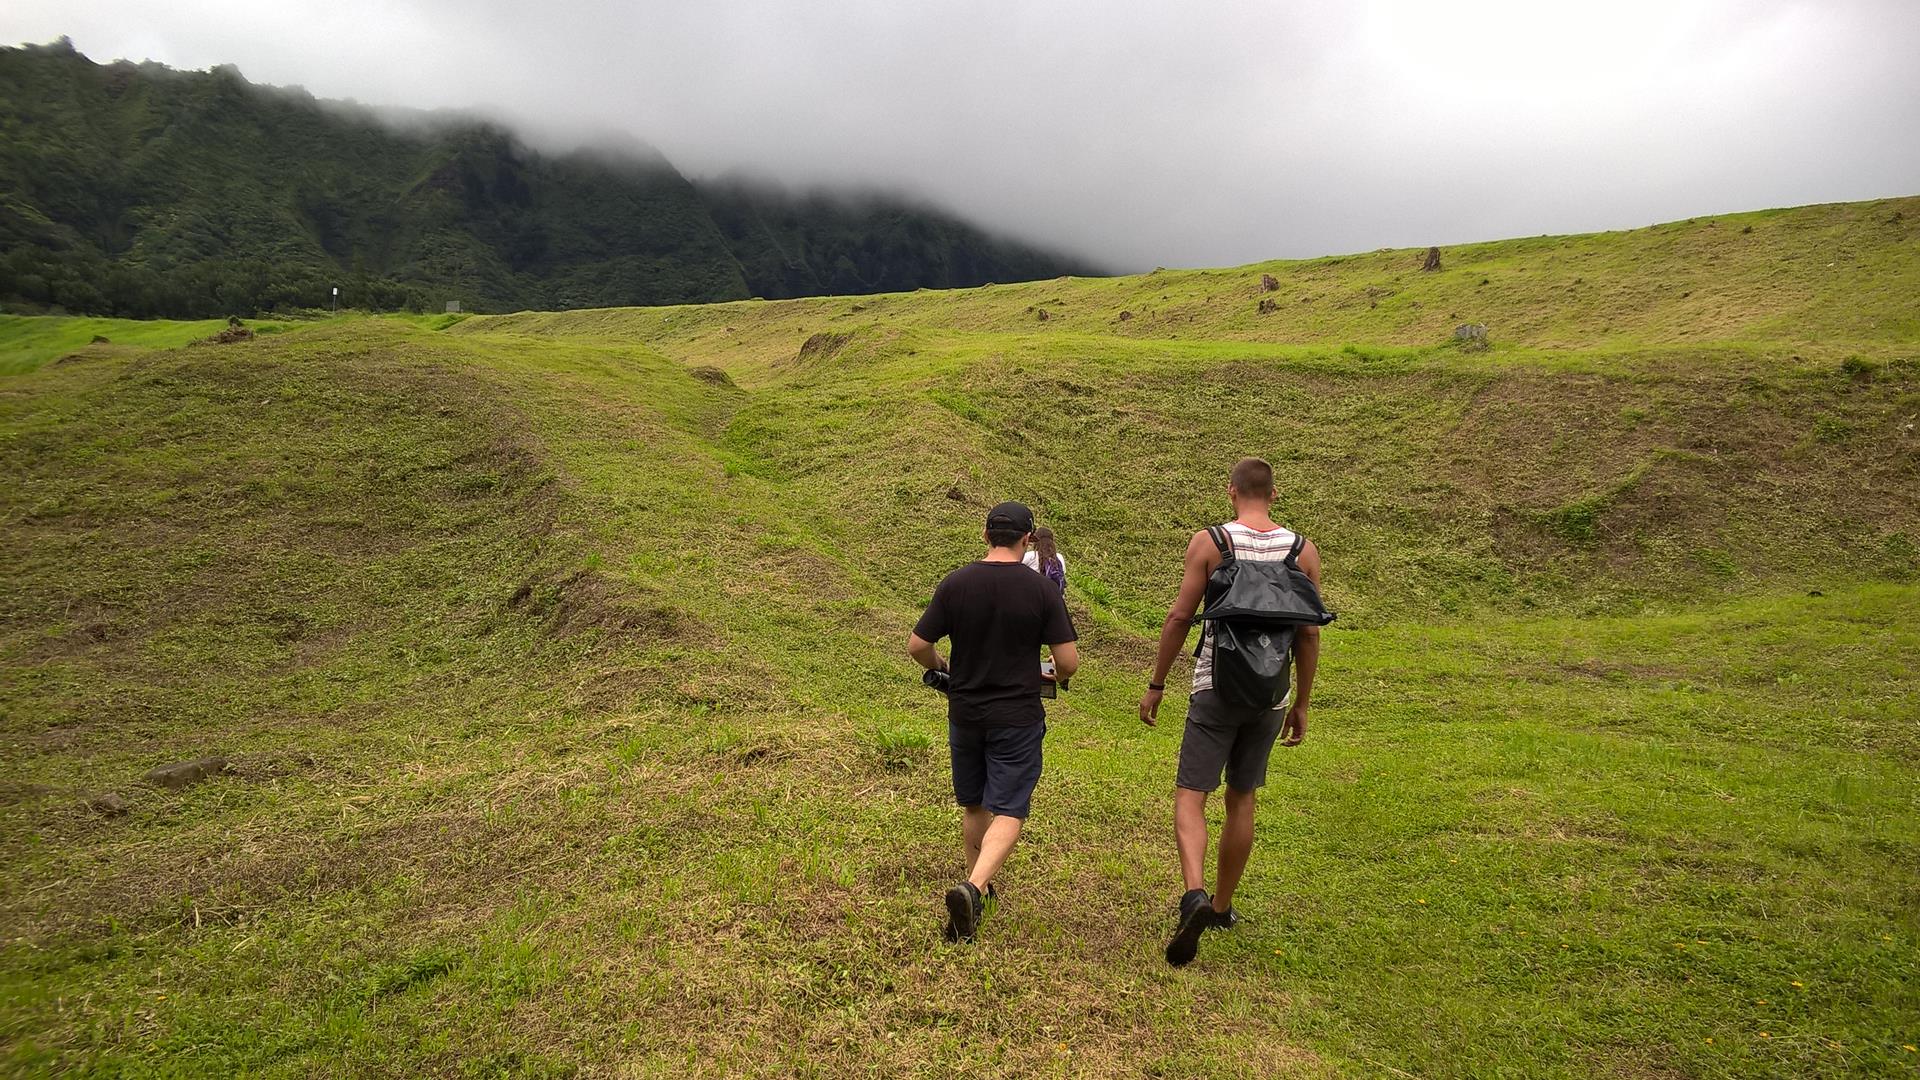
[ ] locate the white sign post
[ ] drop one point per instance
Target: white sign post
(336, 299)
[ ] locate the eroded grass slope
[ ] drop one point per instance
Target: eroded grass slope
(559, 660)
(1819, 280)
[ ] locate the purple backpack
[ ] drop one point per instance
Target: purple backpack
(1054, 572)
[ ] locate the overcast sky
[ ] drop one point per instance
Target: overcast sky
(1143, 133)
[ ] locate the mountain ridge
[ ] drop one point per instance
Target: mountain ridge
(138, 190)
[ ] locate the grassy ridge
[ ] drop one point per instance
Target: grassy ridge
(1829, 279)
(27, 342)
(1732, 411)
(559, 660)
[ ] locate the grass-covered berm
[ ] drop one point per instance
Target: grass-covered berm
(557, 665)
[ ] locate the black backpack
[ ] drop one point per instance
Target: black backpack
(1254, 608)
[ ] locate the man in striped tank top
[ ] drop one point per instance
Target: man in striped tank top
(1221, 736)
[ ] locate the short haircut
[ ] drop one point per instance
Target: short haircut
(1004, 537)
(1253, 478)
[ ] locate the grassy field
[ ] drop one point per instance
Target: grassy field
(559, 661)
(28, 342)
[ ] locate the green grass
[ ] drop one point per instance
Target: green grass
(28, 341)
(573, 736)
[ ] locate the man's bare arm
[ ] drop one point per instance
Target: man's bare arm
(1202, 557)
(923, 651)
(1306, 659)
(1066, 660)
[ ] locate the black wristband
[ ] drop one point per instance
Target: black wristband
(1156, 686)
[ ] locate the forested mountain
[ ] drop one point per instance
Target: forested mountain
(823, 243)
(138, 190)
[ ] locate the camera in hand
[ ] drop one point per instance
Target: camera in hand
(1049, 684)
(943, 680)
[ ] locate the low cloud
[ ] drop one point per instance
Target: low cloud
(1142, 134)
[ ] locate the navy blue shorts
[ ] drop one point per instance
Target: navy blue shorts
(996, 767)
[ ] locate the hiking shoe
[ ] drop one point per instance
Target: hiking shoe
(1225, 920)
(1196, 914)
(964, 907)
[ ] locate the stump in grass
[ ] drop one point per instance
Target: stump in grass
(1433, 259)
(234, 332)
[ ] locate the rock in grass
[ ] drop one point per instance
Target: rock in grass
(107, 804)
(1471, 335)
(183, 774)
(1269, 283)
(1432, 261)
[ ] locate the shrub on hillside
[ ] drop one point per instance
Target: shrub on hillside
(1831, 429)
(1859, 368)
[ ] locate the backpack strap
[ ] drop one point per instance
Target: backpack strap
(1293, 553)
(1225, 543)
(1222, 541)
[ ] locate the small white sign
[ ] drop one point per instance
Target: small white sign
(336, 290)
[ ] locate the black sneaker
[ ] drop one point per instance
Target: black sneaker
(1196, 914)
(964, 907)
(1225, 920)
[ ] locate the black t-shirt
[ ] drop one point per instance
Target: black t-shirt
(998, 615)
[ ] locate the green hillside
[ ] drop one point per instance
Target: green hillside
(821, 243)
(559, 661)
(137, 190)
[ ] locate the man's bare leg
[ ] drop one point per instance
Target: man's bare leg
(973, 828)
(988, 838)
(1236, 844)
(996, 843)
(1190, 835)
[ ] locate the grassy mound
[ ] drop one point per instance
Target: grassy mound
(556, 658)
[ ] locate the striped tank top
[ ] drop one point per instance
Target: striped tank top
(1253, 547)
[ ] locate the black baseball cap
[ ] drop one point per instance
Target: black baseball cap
(1010, 515)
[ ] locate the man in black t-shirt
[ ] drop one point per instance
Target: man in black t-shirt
(998, 613)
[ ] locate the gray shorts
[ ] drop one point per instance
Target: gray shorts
(1235, 738)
